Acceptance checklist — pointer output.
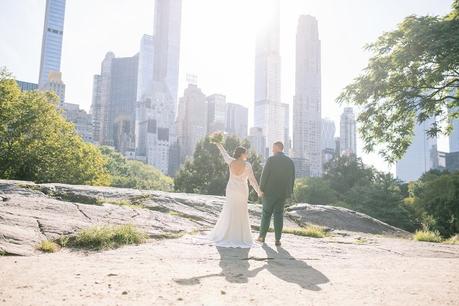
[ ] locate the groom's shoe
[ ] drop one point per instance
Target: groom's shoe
(261, 239)
(278, 243)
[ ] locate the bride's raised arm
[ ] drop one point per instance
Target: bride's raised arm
(253, 180)
(228, 159)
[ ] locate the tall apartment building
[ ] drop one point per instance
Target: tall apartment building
(348, 132)
(191, 120)
(216, 113)
(307, 101)
(237, 120)
(270, 114)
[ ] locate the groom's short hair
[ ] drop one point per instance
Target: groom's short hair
(280, 145)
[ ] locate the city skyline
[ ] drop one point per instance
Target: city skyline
(236, 89)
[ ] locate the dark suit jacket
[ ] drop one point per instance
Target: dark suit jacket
(278, 176)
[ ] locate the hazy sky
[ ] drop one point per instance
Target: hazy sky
(218, 42)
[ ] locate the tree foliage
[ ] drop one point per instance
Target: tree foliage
(38, 144)
(349, 183)
(412, 75)
(436, 201)
(314, 190)
(207, 173)
(134, 174)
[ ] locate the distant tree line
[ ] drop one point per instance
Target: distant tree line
(38, 144)
(431, 203)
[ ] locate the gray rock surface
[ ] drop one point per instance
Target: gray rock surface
(339, 218)
(30, 213)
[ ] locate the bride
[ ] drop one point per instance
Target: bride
(233, 228)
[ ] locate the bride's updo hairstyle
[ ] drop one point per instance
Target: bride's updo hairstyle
(239, 151)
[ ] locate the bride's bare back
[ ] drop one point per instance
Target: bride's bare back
(237, 167)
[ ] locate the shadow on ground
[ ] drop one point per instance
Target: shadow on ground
(235, 268)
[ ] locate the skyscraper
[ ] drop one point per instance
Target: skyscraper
(307, 100)
(166, 36)
(51, 47)
(454, 136)
(191, 120)
(328, 134)
(347, 132)
(216, 113)
(237, 120)
(123, 96)
(113, 102)
(145, 77)
(328, 140)
(269, 113)
(96, 110)
(100, 106)
(420, 156)
(258, 141)
(157, 104)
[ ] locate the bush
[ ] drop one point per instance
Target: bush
(429, 236)
(349, 183)
(452, 240)
(436, 200)
(47, 246)
(107, 237)
(134, 174)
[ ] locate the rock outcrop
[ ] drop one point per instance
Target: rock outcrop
(30, 213)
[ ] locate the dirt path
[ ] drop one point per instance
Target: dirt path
(305, 271)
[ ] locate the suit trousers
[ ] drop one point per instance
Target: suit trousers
(272, 205)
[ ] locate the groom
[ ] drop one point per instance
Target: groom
(277, 185)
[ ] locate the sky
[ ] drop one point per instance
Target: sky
(218, 43)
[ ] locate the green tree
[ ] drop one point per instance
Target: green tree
(413, 75)
(345, 172)
(207, 173)
(366, 190)
(436, 199)
(134, 174)
(38, 144)
(314, 190)
(380, 198)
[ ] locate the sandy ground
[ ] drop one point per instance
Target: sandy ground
(304, 271)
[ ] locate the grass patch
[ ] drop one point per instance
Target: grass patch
(107, 237)
(48, 246)
(313, 231)
(122, 202)
(429, 236)
(361, 240)
(185, 216)
(452, 240)
(170, 235)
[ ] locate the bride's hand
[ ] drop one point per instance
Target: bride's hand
(261, 194)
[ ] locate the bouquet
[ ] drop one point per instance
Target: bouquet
(216, 138)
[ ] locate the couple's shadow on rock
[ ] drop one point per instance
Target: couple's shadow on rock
(236, 268)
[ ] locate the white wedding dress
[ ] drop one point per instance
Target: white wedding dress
(233, 227)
